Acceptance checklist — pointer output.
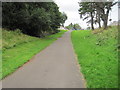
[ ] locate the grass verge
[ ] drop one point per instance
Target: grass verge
(19, 49)
(97, 56)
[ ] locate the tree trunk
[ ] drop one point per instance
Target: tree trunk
(99, 20)
(99, 24)
(105, 21)
(92, 26)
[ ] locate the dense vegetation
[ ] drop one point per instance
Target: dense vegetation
(32, 18)
(97, 55)
(17, 51)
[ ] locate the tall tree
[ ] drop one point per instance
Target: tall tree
(98, 10)
(86, 11)
(98, 18)
(104, 8)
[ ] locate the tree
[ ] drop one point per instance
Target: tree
(87, 10)
(77, 27)
(73, 26)
(104, 9)
(97, 11)
(32, 18)
(64, 18)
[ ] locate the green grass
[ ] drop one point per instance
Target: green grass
(19, 49)
(97, 56)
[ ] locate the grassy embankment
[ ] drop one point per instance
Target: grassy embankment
(19, 48)
(97, 55)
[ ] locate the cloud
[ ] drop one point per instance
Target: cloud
(70, 7)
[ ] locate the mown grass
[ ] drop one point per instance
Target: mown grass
(97, 56)
(19, 49)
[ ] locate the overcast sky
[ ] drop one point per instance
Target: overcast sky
(70, 7)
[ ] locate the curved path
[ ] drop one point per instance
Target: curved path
(54, 67)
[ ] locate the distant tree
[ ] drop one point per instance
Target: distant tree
(73, 26)
(69, 26)
(64, 18)
(77, 27)
(88, 28)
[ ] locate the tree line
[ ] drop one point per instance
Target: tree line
(32, 18)
(95, 12)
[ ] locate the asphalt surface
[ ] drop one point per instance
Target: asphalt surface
(54, 67)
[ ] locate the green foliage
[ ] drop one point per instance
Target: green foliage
(86, 8)
(70, 26)
(77, 27)
(33, 18)
(97, 56)
(21, 48)
(64, 17)
(73, 26)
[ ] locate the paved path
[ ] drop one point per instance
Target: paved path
(54, 67)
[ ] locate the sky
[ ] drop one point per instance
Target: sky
(70, 7)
